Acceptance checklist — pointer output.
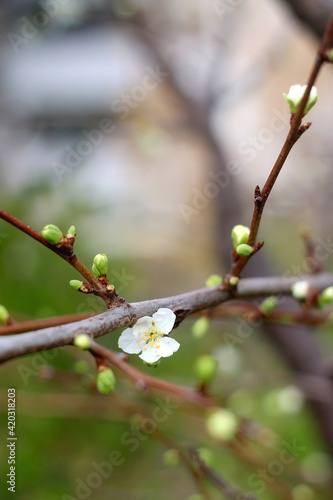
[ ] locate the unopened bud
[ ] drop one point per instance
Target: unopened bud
(4, 314)
(240, 234)
(200, 327)
(268, 305)
(205, 368)
(326, 296)
(244, 250)
(233, 281)
(222, 424)
(52, 234)
(295, 95)
(100, 265)
(82, 341)
(106, 381)
(76, 284)
(302, 492)
(300, 289)
(171, 458)
(213, 280)
(71, 233)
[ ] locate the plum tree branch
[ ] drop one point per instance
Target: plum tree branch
(295, 132)
(13, 346)
(68, 256)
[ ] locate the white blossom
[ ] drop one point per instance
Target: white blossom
(149, 337)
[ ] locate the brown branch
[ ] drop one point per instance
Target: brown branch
(13, 346)
(144, 381)
(294, 134)
(226, 489)
(68, 256)
(39, 324)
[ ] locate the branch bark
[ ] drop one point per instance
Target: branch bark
(13, 346)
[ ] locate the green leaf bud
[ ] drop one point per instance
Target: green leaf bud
(100, 265)
(200, 327)
(52, 234)
(76, 284)
(244, 250)
(233, 281)
(106, 381)
(240, 234)
(268, 305)
(222, 424)
(71, 233)
(82, 341)
(213, 280)
(326, 296)
(205, 368)
(4, 314)
(294, 97)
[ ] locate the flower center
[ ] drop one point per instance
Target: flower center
(152, 336)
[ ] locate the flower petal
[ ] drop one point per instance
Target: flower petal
(143, 324)
(165, 319)
(129, 343)
(167, 347)
(149, 355)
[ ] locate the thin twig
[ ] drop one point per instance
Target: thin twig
(144, 381)
(294, 134)
(71, 258)
(226, 489)
(39, 324)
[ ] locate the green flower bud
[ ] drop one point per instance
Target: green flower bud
(205, 368)
(71, 233)
(4, 314)
(303, 492)
(52, 234)
(244, 250)
(233, 281)
(222, 424)
(294, 97)
(268, 305)
(300, 289)
(240, 234)
(106, 381)
(82, 341)
(76, 284)
(171, 458)
(200, 327)
(213, 280)
(100, 265)
(326, 296)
